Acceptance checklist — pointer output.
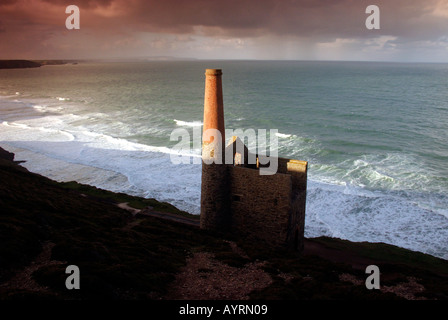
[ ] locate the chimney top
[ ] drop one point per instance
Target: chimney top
(213, 72)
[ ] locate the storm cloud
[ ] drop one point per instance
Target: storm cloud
(301, 29)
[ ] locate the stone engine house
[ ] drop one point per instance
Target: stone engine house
(235, 197)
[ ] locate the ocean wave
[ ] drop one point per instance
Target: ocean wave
(355, 214)
(8, 96)
(390, 171)
(188, 123)
(39, 108)
(32, 133)
(283, 135)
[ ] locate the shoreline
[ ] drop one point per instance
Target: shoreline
(122, 190)
(129, 255)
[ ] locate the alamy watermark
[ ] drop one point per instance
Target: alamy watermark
(373, 21)
(73, 21)
(373, 280)
(256, 141)
(72, 281)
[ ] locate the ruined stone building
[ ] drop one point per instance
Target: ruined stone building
(235, 197)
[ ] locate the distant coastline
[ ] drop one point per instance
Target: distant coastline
(20, 64)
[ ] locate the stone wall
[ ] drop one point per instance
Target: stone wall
(298, 172)
(215, 206)
(260, 205)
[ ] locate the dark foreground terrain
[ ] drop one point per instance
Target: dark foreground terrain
(126, 252)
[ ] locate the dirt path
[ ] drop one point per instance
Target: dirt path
(164, 215)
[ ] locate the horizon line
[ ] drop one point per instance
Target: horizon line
(173, 59)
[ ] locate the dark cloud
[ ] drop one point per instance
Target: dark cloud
(318, 21)
(305, 18)
(81, 3)
(7, 2)
(241, 17)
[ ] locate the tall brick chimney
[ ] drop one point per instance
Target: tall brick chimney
(213, 103)
(215, 210)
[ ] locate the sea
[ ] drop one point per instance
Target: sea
(374, 134)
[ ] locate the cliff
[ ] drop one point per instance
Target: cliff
(16, 64)
(126, 252)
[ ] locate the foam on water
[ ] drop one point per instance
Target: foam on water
(351, 213)
(131, 169)
(188, 123)
(64, 171)
(53, 148)
(283, 135)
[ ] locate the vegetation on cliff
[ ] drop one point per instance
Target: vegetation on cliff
(46, 226)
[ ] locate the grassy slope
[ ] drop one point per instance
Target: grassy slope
(126, 257)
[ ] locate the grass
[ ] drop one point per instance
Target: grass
(132, 201)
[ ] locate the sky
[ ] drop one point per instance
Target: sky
(410, 30)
